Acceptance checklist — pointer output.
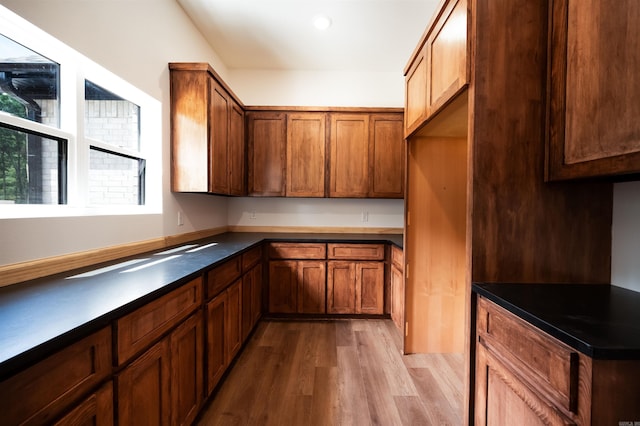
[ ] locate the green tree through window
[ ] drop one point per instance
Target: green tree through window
(13, 156)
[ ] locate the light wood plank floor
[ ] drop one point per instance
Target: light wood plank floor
(337, 372)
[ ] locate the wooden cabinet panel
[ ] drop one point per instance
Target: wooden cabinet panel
(341, 287)
(447, 55)
(397, 297)
(415, 104)
(221, 276)
(283, 287)
(593, 106)
(503, 399)
(311, 287)
(251, 257)
(144, 388)
(351, 251)
(297, 250)
(237, 169)
(219, 145)
(266, 153)
(189, 131)
(233, 320)
(187, 375)
(349, 168)
(40, 393)
(369, 288)
(251, 299)
(306, 140)
(139, 329)
(387, 156)
(96, 410)
(216, 349)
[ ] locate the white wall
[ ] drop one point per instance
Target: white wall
(625, 253)
(136, 39)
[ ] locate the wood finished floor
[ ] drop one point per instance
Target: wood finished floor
(342, 372)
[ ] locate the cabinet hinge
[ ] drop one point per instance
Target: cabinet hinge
(406, 271)
(406, 329)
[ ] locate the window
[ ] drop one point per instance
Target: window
(73, 136)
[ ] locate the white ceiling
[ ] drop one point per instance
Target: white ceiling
(365, 35)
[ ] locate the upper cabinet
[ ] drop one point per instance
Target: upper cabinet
(439, 68)
(207, 137)
(306, 164)
(266, 153)
(593, 126)
(367, 156)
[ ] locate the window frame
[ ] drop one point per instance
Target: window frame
(75, 68)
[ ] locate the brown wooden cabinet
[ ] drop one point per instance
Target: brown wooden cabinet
(525, 376)
(251, 299)
(306, 160)
(439, 68)
(367, 156)
(397, 287)
(593, 126)
(207, 139)
(144, 388)
(41, 393)
(266, 153)
(297, 278)
(96, 409)
(355, 286)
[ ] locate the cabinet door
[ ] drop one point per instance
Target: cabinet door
(312, 287)
(144, 388)
(370, 287)
(189, 131)
(387, 156)
(447, 55)
(233, 320)
(341, 287)
(266, 153)
(251, 299)
(219, 133)
(349, 167)
(502, 399)
(283, 286)
(237, 175)
(593, 111)
(397, 297)
(415, 104)
(306, 140)
(96, 409)
(216, 349)
(186, 370)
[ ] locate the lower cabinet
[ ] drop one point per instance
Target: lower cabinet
(251, 299)
(96, 409)
(164, 385)
(224, 332)
(397, 287)
(525, 376)
(355, 287)
(297, 286)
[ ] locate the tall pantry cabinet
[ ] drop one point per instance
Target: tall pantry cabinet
(477, 206)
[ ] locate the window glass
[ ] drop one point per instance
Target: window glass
(32, 168)
(110, 118)
(115, 179)
(29, 84)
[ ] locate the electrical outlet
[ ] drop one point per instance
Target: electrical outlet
(252, 214)
(365, 216)
(180, 219)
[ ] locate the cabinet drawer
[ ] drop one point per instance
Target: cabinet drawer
(251, 257)
(142, 327)
(297, 251)
(44, 391)
(220, 277)
(549, 365)
(397, 257)
(356, 251)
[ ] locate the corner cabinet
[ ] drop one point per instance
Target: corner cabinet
(593, 126)
(439, 68)
(207, 133)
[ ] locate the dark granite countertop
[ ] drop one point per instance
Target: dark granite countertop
(41, 316)
(599, 320)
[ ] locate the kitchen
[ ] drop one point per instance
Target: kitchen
(91, 32)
